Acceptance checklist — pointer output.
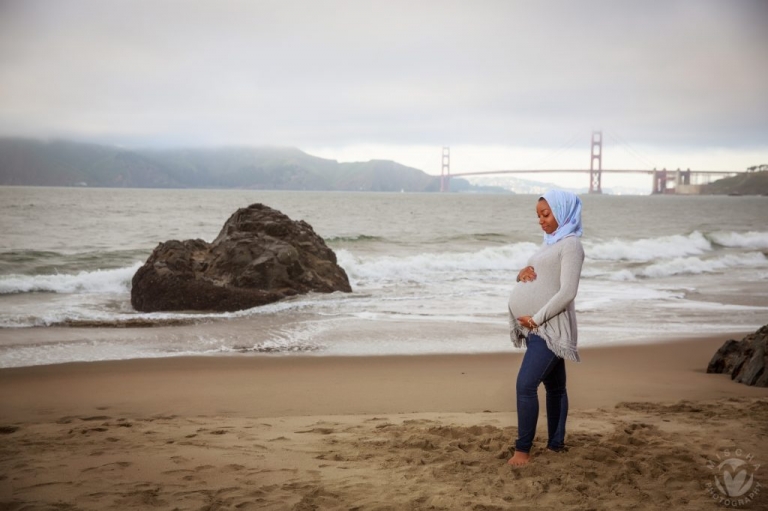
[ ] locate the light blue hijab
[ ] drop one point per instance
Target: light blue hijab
(566, 207)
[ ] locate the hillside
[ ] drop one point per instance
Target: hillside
(62, 163)
(751, 183)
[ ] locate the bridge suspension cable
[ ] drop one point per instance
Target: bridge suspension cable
(631, 150)
(564, 147)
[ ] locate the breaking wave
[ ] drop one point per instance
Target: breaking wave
(648, 249)
(752, 239)
(424, 267)
(96, 281)
(695, 265)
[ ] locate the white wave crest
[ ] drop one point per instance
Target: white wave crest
(424, 267)
(752, 239)
(97, 281)
(695, 265)
(648, 249)
(75, 314)
(622, 276)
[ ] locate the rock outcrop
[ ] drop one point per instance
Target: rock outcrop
(744, 360)
(260, 256)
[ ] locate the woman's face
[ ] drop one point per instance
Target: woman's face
(546, 217)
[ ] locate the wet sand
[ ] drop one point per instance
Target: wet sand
(411, 432)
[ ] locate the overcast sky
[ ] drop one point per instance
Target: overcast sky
(506, 84)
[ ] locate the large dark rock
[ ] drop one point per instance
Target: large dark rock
(260, 256)
(744, 360)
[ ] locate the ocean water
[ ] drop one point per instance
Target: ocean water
(430, 272)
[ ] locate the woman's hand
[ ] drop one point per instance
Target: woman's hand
(526, 274)
(527, 322)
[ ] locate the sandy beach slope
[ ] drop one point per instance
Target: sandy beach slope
(384, 433)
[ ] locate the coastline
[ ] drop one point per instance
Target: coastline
(386, 432)
(280, 385)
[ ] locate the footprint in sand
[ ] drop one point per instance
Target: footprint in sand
(321, 431)
(47, 483)
(141, 499)
(86, 431)
(189, 474)
(108, 466)
(96, 418)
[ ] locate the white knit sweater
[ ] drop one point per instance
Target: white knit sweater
(550, 297)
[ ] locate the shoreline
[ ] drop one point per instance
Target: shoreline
(371, 433)
(276, 385)
(320, 353)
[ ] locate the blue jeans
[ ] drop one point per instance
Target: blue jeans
(541, 365)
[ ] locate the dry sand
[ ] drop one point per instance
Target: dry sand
(418, 432)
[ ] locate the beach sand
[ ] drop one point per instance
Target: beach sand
(646, 427)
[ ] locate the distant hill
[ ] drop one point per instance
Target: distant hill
(750, 183)
(62, 163)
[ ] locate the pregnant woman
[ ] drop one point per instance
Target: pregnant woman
(543, 319)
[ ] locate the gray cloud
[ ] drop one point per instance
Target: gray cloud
(336, 73)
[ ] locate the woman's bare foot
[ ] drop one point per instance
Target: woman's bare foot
(519, 459)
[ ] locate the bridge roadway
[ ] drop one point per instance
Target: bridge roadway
(660, 177)
(587, 171)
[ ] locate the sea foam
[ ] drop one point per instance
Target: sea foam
(648, 249)
(695, 265)
(752, 239)
(96, 281)
(424, 267)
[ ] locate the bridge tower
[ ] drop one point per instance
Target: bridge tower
(596, 174)
(445, 173)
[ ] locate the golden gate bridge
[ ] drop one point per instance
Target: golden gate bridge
(680, 180)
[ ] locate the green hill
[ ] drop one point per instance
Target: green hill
(751, 183)
(61, 163)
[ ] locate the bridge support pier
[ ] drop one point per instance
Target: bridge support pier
(661, 179)
(659, 182)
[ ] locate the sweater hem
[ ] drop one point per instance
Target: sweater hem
(518, 334)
